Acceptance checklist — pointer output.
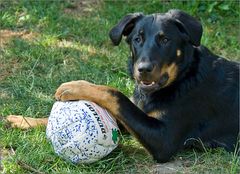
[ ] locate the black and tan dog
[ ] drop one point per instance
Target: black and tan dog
(183, 94)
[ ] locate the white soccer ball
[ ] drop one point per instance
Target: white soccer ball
(81, 131)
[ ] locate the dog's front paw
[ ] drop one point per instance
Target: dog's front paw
(74, 90)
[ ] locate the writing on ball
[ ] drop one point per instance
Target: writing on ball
(97, 118)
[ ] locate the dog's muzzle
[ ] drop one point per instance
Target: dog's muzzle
(148, 77)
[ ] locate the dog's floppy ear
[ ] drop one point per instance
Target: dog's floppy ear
(188, 24)
(124, 27)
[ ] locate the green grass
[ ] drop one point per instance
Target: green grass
(65, 40)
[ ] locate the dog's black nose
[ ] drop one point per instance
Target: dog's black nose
(145, 67)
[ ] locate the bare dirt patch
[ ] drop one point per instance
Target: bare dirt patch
(81, 8)
(172, 167)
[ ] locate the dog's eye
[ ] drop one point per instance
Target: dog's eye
(163, 40)
(138, 39)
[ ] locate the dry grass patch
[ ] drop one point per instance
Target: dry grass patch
(7, 35)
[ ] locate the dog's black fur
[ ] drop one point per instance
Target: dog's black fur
(186, 94)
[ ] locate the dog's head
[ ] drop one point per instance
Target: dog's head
(161, 46)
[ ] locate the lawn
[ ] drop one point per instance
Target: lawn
(45, 43)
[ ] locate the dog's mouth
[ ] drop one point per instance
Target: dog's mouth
(148, 86)
(152, 85)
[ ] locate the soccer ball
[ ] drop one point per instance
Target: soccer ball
(81, 131)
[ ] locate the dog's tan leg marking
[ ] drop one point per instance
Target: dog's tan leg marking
(83, 90)
(156, 114)
(26, 122)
